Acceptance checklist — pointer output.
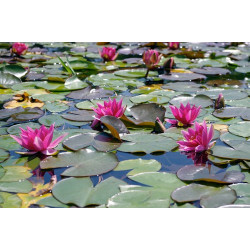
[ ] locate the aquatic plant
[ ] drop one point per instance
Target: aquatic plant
(151, 58)
(111, 108)
(219, 102)
(197, 139)
(173, 45)
(108, 54)
(38, 140)
(185, 115)
(19, 48)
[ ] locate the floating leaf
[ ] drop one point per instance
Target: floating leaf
(135, 73)
(138, 166)
(115, 126)
(209, 196)
(240, 129)
(86, 162)
(10, 200)
(23, 186)
(80, 191)
(209, 174)
(198, 100)
(8, 80)
(90, 93)
(3, 156)
(79, 141)
(183, 77)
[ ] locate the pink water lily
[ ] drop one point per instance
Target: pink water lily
(197, 139)
(219, 102)
(151, 58)
(185, 115)
(108, 54)
(111, 108)
(19, 48)
(38, 140)
(173, 45)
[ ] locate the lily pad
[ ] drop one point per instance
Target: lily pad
(135, 73)
(85, 162)
(209, 197)
(115, 126)
(183, 77)
(240, 129)
(90, 93)
(198, 100)
(79, 141)
(209, 174)
(80, 191)
(3, 155)
(138, 166)
(8, 80)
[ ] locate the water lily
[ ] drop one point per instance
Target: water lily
(185, 115)
(111, 108)
(151, 58)
(197, 139)
(19, 48)
(108, 54)
(38, 140)
(173, 45)
(219, 102)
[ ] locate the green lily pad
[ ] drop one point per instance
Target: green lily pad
(135, 73)
(85, 162)
(165, 145)
(209, 196)
(230, 153)
(79, 141)
(240, 129)
(3, 156)
(15, 173)
(15, 70)
(8, 80)
(15, 129)
(138, 166)
(198, 100)
(51, 202)
(10, 200)
(23, 186)
(115, 126)
(230, 112)
(80, 191)
(209, 174)
(90, 93)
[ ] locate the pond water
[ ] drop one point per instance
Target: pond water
(126, 161)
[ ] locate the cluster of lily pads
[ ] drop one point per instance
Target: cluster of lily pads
(124, 125)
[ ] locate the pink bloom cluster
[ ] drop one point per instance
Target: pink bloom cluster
(112, 108)
(151, 58)
(19, 48)
(38, 140)
(108, 54)
(197, 139)
(173, 45)
(185, 115)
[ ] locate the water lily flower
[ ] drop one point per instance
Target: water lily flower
(151, 58)
(19, 48)
(108, 54)
(38, 140)
(173, 45)
(197, 139)
(111, 108)
(185, 115)
(219, 102)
